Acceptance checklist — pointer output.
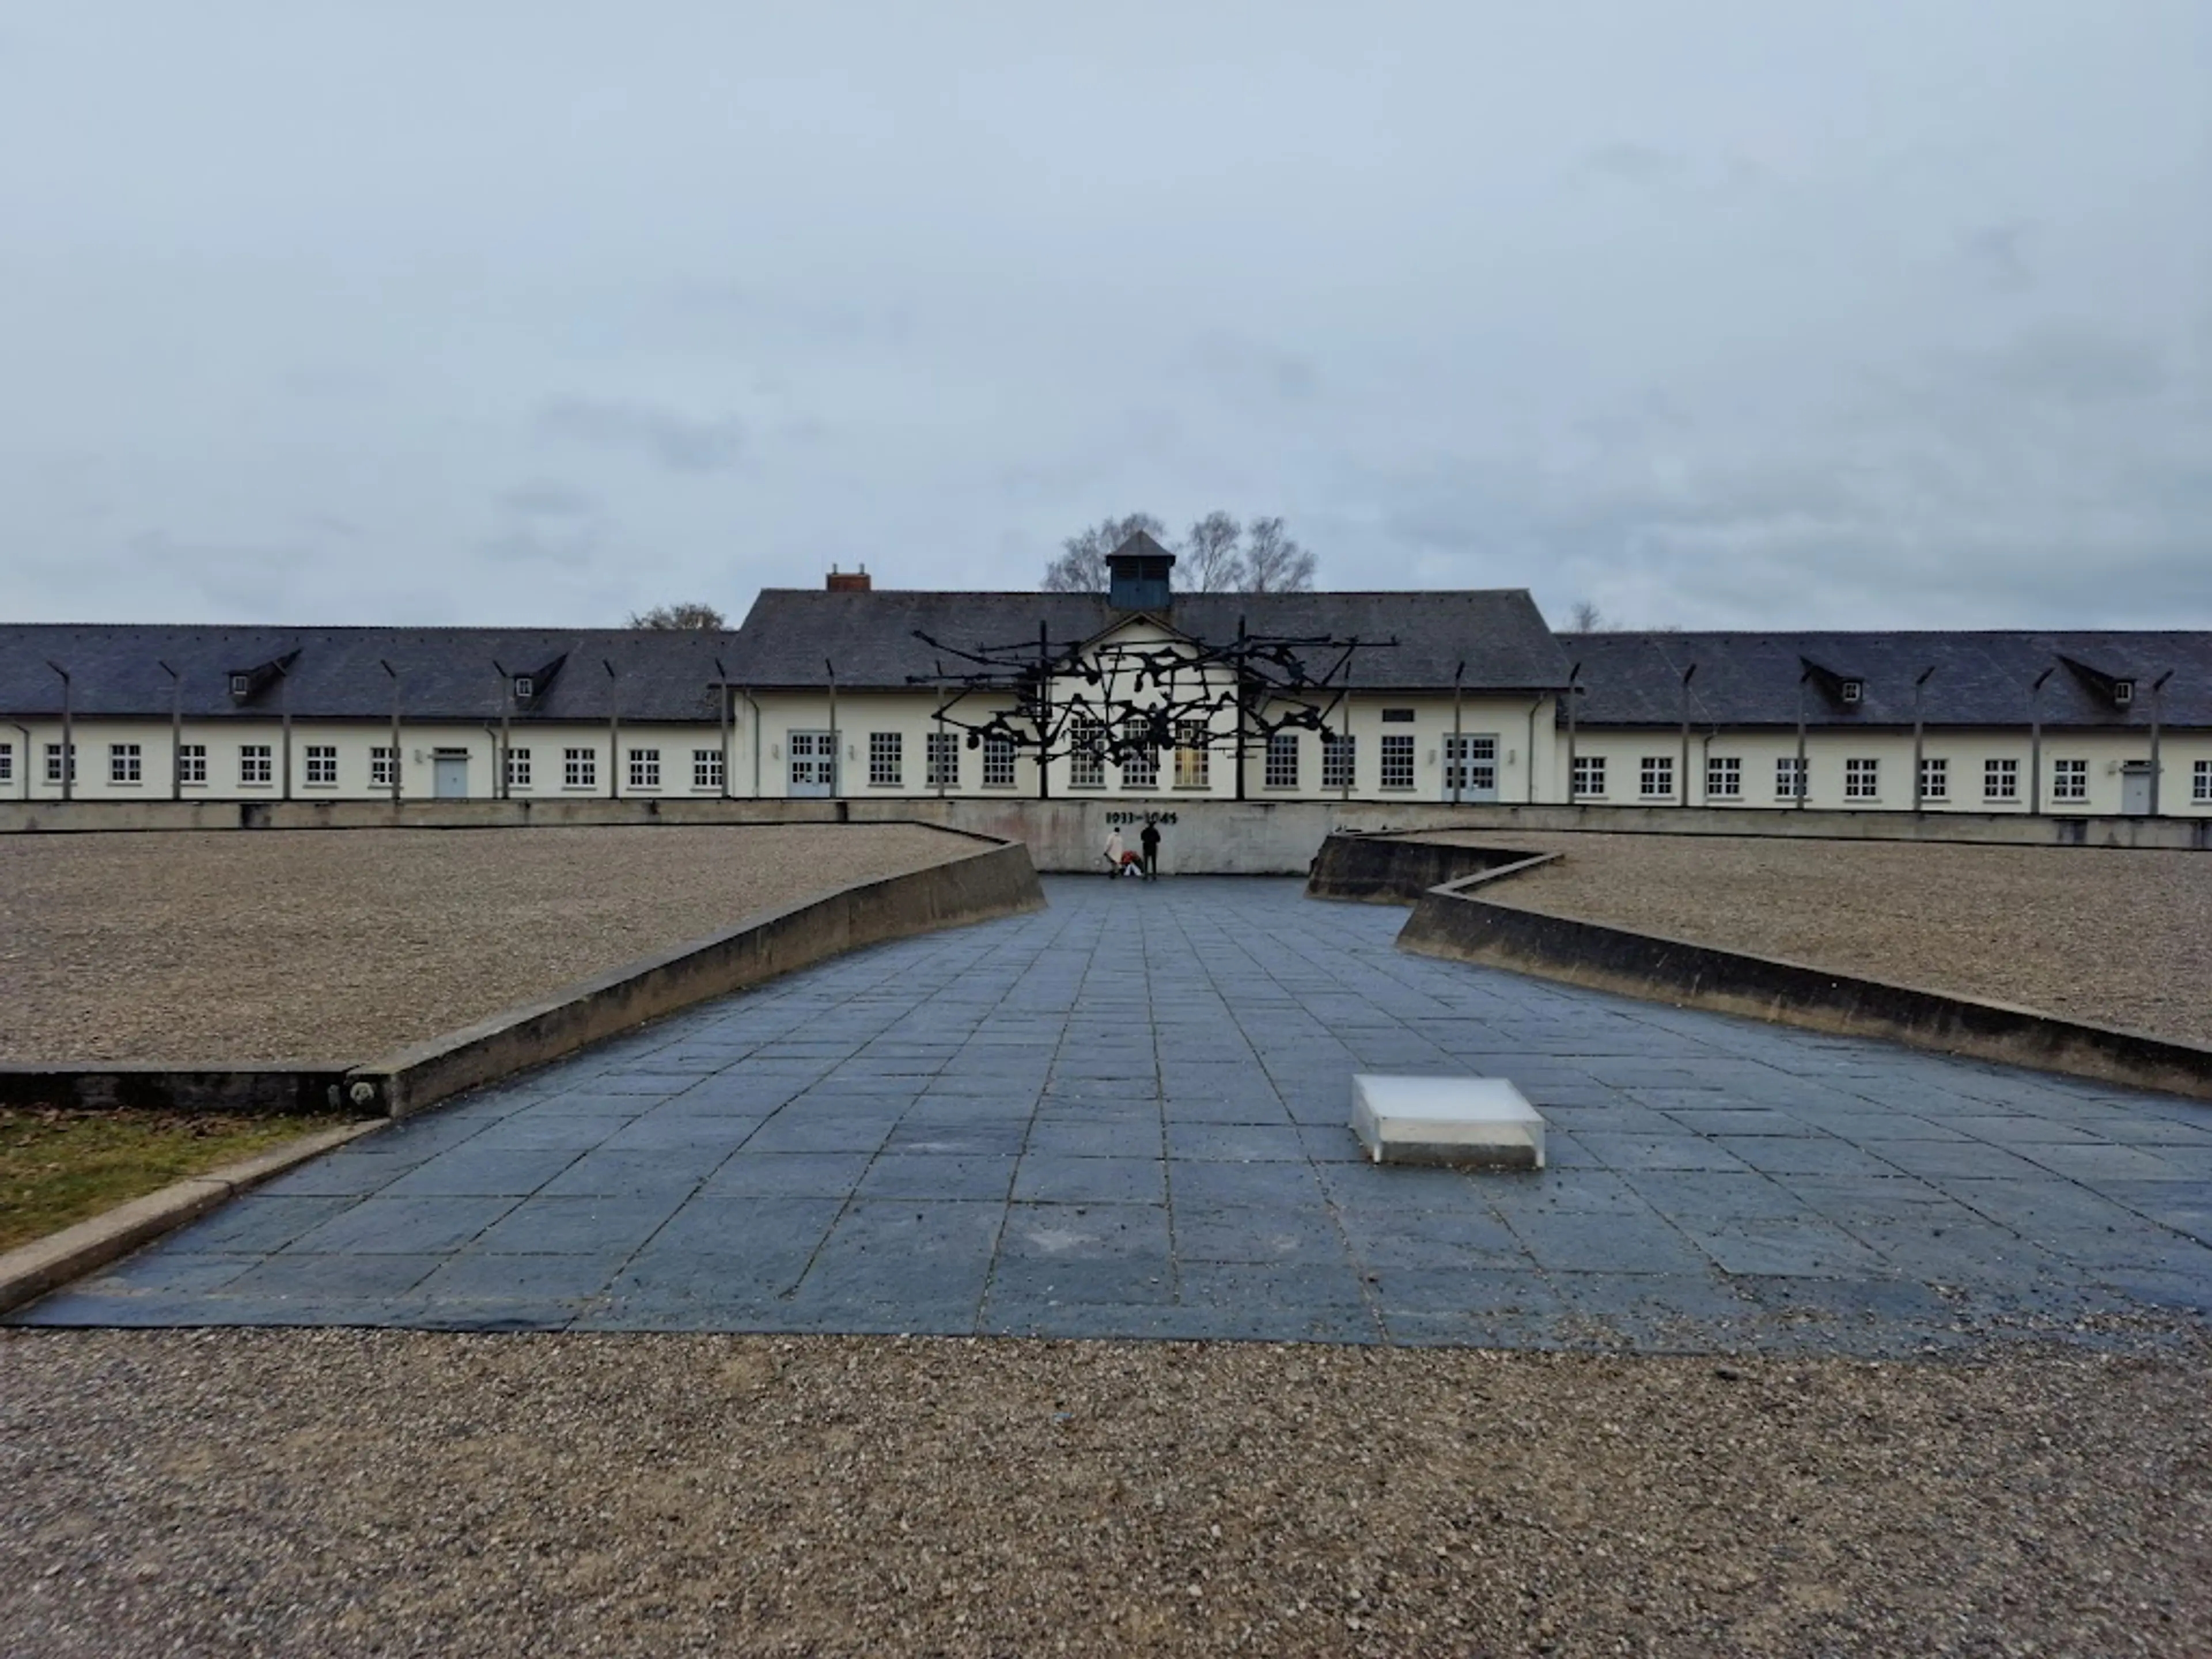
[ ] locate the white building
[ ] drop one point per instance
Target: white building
(1140, 693)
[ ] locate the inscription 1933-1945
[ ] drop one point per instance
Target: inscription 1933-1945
(1140, 817)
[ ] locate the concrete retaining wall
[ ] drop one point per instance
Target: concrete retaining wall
(1208, 837)
(1385, 869)
(1448, 921)
(996, 880)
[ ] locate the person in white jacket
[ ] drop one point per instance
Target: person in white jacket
(1114, 854)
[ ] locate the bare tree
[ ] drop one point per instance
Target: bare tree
(703, 617)
(1273, 561)
(1212, 561)
(1081, 566)
(1584, 618)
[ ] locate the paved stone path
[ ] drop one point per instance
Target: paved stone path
(1125, 1116)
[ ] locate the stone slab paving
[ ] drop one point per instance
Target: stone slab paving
(1128, 1116)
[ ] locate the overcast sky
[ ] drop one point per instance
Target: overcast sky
(538, 311)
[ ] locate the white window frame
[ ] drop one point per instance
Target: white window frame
(1140, 760)
(1340, 760)
(1792, 777)
(2200, 783)
(998, 762)
(1194, 757)
(645, 769)
(1588, 781)
(256, 765)
(1087, 753)
(125, 763)
(2069, 779)
(1723, 777)
(1280, 770)
(321, 760)
(579, 768)
(1999, 780)
(709, 768)
(1936, 777)
(886, 760)
(942, 754)
(1654, 777)
(6, 762)
(379, 767)
(518, 769)
(1397, 761)
(54, 762)
(1862, 778)
(191, 764)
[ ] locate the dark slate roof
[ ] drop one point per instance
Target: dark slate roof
(790, 633)
(1980, 678)
(445, 673)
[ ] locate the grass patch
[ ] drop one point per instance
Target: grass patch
(58, 1168)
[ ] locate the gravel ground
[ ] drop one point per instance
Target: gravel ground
(2118, 938)
(344, 944)
(347, 1492)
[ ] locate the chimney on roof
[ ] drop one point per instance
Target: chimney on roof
(1138, 576)
(849, 581)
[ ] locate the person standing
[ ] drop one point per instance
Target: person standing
(1151, 842)
(1115, 855)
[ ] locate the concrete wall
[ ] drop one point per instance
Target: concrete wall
(1200, 838)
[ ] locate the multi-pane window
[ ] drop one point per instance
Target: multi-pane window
(886, 759)
(1999, 780)
(579, 768)
(1656, 776)
(998, 763)
(1590, 776)
(379, 768)
(1282, 771)
(1935, 779)
(253, 763)
(2069, 779)
(1193, 759)
(6, 762)
(944, 760)
(708, 768)
(1862, 779)
(1789, 778)
(322, 763)
(645, 769)
(1140, 760)
(1086, 754)
(1397, 760)
(1723, 777)
(518, 769)
(54, 762)
(123, 762)
(1340, 759)
(2199, 782)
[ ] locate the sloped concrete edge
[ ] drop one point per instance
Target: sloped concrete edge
(29, 1271)
(1450, 922)
(1389, 867)
(995, 880)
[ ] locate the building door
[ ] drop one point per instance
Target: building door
(813, 763)
(452, 775)
(2134, 789)
(1470, 767)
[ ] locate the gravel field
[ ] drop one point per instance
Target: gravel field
(2119, 937)
(339, 945)
(346, 1492)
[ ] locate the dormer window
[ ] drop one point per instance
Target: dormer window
(1854, 690)
(2123, 692)
(241, 685)
(525, 688)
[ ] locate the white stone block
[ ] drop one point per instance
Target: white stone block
(1477, 1122)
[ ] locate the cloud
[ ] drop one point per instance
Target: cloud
(543, 523)
(674, 440)
(1622, 161)
(1253, 370)
(2002, 258)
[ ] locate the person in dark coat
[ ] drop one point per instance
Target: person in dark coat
(1151, 842)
